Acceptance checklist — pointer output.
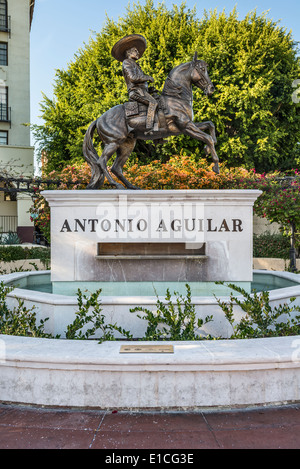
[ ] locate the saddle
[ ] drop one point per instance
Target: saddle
(149, 113)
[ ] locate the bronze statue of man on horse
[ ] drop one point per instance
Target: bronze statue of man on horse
(147, 115)
(128, 51)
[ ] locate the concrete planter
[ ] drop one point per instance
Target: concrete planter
(197, 375)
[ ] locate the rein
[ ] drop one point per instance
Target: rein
(202, 81)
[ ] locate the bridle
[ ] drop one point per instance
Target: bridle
(202, 81)
(176, 90)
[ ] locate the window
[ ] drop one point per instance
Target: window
(4, 109)
(3, 16)
(3, 53)
(3, 137)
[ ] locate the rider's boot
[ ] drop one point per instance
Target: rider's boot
(150, 116)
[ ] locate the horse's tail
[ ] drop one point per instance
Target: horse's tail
(92, 158)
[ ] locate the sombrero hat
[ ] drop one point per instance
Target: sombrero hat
(133, 40)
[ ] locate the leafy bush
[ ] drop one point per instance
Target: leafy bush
(76, 176)
(260, 319)
(183, 172)
(172, 321)
(271, 245)
(20, 321)
(280, 202)
(16, 253)
(89, 313)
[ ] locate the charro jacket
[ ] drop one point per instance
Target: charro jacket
(134, 76)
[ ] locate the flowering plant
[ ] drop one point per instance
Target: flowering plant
(280, 200)
(74, 176)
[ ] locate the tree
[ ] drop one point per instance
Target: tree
(280, 203)
(252, 62)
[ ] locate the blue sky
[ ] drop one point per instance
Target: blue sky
(61, 27)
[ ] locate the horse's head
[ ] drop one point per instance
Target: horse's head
(200, 77)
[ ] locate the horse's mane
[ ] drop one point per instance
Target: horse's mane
(171, 88)
(180, 67)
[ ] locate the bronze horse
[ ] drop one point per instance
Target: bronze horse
(119, 132)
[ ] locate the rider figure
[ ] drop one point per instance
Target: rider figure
(128, 50)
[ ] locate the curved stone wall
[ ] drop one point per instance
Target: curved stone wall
(60, 309)
(197, 375)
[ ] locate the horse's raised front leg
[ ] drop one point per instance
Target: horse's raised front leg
(194, 130)
(208, 126)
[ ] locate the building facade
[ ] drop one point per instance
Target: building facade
(16, 153)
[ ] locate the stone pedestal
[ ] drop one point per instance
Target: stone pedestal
(159, 237)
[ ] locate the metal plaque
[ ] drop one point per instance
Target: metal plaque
(147, 349)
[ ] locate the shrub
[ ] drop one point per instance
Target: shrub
(183, 172)
(16, 253)
(260, 319)
(20, 321)
(280, 203)
(172, 321)
(89, 314)
(271, 245)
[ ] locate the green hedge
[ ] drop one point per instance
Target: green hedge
(274, 246)
(16, 253)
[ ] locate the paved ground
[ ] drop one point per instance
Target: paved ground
(259, 428)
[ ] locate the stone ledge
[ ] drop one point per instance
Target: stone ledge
(90, 197)
(25, 264)
(265, 263)
(198, 374)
